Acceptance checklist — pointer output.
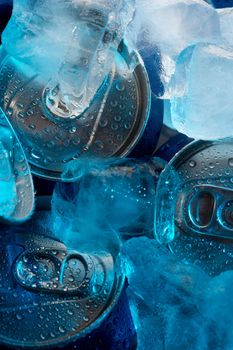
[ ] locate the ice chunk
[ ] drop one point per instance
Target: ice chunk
(172, 25)
(72, 42)
(112, 198)
(217, 305)
(8, 197)
(166, 201)
(165, 297)
(226, 24)
(176, 305)
(202, 86)
(175, 24)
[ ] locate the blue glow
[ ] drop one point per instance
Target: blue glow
(176, 305)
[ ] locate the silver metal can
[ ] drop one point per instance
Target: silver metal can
(52, 297)
(194, 208)
(111, 126)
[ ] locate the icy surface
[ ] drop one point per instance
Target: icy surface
(202, 87)
(226, 24)
(179, 23)
(8, 197)
(173, 25)
(112, 200)
(71, 42)
(176, 305)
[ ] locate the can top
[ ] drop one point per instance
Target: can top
(50, 295)
(111, 126)
(199, 184)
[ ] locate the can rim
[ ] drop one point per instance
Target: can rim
(118, 286)
(141, 119)
(181, 156)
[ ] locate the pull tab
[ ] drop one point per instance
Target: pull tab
(206, 210)
(54, 271)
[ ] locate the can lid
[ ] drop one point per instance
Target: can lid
(18, 185)
(111, 126)
(197, 223)
(53, 296)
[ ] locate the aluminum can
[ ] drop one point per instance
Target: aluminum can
(52, 297)
(194, 205)
(130, 123)
(50, 143)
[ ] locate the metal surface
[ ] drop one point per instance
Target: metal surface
(107, 128)
(51, 297)
(203, 217)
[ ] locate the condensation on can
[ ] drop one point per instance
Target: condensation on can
(84, 306)
(51, 143)
(199, 216)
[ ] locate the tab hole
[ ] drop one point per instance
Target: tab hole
(226, 216)
(202, 208)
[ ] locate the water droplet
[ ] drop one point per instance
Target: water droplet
(114, 126)
(117, 118)
(99, 145)
(120, 86)
(211, 165)
(230, 162)
(10, 111)
(192, 163)
(73, 130)
(20, 105)
(103, 123)
(127, 125)
(19, 317)
(114, 103)
(32, 126)
(61, 329)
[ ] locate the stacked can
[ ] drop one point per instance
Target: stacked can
(194, 205)
(53, 297)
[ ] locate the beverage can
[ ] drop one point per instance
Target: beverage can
(194, 205)
(110, 127)
(52, 297)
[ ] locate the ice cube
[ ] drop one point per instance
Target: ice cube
(173, 25)
(176, 305)
(8, 198)
(165, 297)
(72, 43)
(112, 198)
(202, 106)
(226, 24)
(216, 307)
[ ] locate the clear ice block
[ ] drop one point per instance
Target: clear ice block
(226, 24)
(111, 199)
(71, 43)
(173, 25)
(202, 86)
